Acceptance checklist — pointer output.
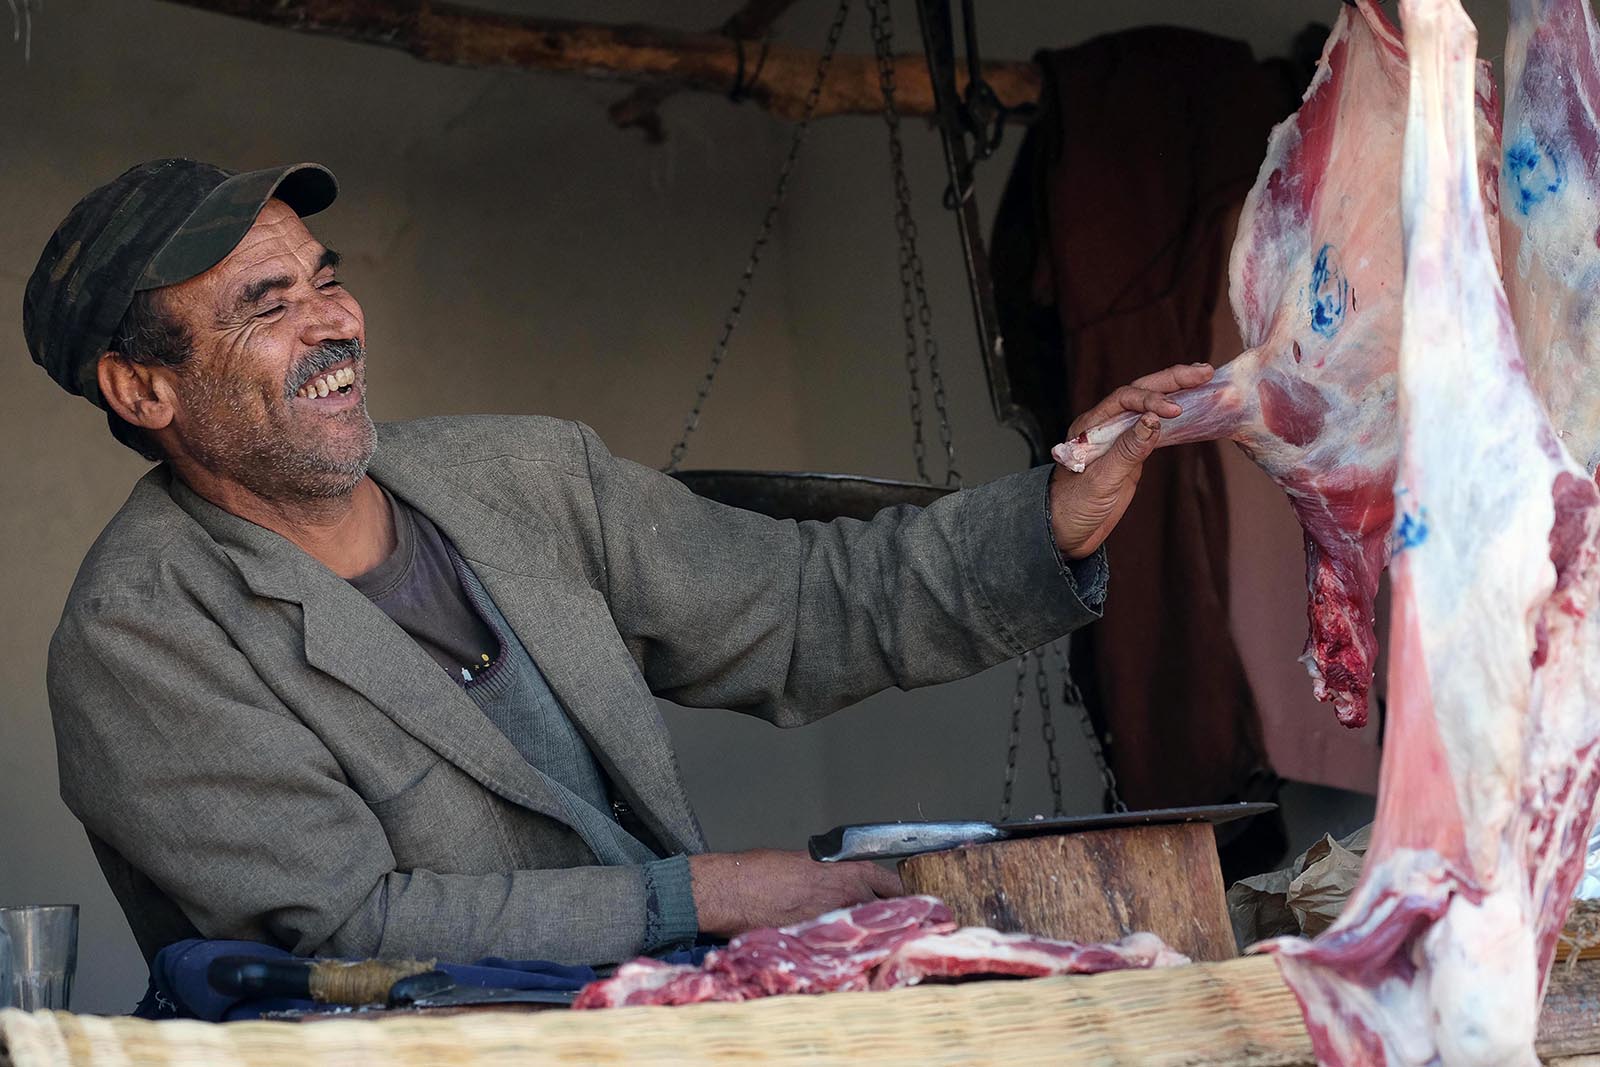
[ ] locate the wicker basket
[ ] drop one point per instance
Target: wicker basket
(1237, 1013)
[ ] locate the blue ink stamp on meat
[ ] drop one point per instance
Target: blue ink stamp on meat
(1409, 532)
(1329, 293)
(1535, 171)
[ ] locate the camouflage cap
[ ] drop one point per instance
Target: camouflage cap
(158, 224)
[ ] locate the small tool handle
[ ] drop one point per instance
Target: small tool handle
(252, 976)
(324, 981)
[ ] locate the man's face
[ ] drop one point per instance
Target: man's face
(259, 403)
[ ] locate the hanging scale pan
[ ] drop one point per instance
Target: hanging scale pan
(801, 495)
(794, 494)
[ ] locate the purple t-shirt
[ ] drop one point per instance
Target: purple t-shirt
(417, 587)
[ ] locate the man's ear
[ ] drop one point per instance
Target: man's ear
(138, 393)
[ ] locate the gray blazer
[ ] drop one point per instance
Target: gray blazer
(258, 752)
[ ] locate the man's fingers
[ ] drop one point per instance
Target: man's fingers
(1138, 398)
(1178, 376)
(1131, 449)
(1147, 394)
(1129, 398)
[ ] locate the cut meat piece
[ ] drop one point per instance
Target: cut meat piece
(1551, 224)
(864, 932)
(644, 981)
(882, 945)
(975, 950)
(832, 952)
(1489, 766)
(1315, 284)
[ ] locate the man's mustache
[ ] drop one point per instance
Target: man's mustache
(320, 359)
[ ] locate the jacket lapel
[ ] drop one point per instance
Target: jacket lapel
(567, 628)
(573, 639)
(353, 641)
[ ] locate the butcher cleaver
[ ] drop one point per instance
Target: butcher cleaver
(893, 840)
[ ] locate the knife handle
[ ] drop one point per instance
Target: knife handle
(324, 981)
(253, 976)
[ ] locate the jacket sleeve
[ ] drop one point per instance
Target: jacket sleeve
(175, 753)
(790, 621)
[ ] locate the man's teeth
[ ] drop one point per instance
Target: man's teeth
(324, 384)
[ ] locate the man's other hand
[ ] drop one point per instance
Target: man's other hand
(739, 891)
(1084, 508)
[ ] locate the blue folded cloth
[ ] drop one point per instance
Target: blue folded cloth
(179, 990)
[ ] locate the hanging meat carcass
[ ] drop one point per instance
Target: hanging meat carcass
(1489, 764)
(1315, 287)
(1551, 202)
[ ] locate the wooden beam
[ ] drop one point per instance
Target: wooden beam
(463, 36)
(641, 109)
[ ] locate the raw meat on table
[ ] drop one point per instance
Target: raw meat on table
(1489, 765)
(883, 945)
(1315, 287)
(1551, 203)
(975, 950)
(833, 951)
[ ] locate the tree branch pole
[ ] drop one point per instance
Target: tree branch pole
(462, 36)
(641, 109)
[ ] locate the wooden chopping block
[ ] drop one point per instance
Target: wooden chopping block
(1096, 885)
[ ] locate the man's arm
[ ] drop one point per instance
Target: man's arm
(176, 754)
(739, 891)
(726, 608)
(722, 607)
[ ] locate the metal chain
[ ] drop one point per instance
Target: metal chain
(1072, 696)
(914, 285)
(915, 311)
(914, 299)
(1048, 728)
(22, 25)
(882, 48)
(720, 350)
(1016, 736)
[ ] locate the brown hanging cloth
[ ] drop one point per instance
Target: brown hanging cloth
(1109, 253)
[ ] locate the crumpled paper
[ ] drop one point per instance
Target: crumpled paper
(1304, 898)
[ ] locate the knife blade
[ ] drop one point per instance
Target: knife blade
(896, 840)
(888, 840)
(436, 989)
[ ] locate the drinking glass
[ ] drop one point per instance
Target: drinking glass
(5, 967)
(43, 956)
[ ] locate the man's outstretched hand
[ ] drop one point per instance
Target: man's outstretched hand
(739, 891)
(1084, 508)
